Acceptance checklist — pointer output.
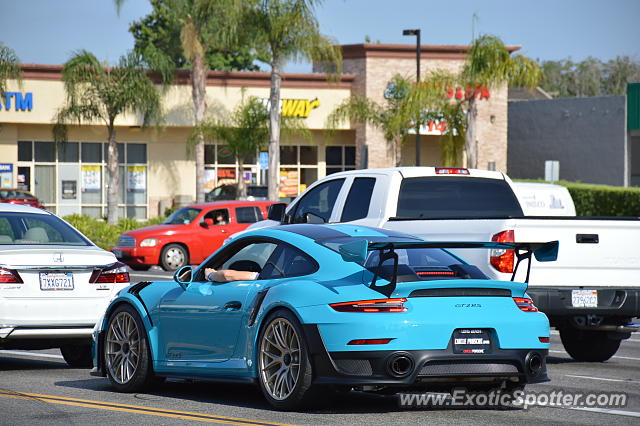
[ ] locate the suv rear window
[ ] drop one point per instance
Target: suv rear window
(456, 197)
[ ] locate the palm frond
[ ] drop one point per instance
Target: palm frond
(9, 67)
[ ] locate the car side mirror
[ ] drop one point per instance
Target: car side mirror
(355, 251)
(206, 223)
(276, 212)
(184, 276)
(313, 219)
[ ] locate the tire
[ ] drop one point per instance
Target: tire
(173, 257)
(282, 336)
(588, 345)
(77, 355)
(126, 355)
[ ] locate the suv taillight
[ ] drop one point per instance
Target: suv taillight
(9, 276)
(525, 304)
(115, 274)
(502, 260)
(378, 305)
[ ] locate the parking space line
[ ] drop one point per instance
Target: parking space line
(33, 354)
(186, 415)
(599, 378)
(157, 277)
(607, 411)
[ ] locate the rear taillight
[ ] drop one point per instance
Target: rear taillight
(115, 274)
(378, 305)
(525, 304)
(451, 171)
(502, 260)
(9, 276)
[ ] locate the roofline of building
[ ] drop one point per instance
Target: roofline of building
(218, 78)
(404, 51)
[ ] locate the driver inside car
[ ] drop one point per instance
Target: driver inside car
(226, 275)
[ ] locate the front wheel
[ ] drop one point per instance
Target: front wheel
(284, 368)
(126, 351)
(77, 355)
(588, 345)
(173, 257)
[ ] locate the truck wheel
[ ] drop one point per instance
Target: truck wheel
(78, 355)
(173, 257)
(588, 345)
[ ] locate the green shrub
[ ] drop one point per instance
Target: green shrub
(105, 235)
(602, 200)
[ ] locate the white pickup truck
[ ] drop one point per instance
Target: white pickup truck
(590, 294)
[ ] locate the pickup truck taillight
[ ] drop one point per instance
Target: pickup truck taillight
(9, 276)
(116, 274)
(502, 260)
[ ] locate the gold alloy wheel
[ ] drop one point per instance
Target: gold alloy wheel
(122, 347)
(280, 359)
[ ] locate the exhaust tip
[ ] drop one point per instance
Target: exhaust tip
(400, 365)
(534, 363)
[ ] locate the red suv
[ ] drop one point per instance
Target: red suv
(19, 196)
(189, 235)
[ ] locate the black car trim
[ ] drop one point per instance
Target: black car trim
(461, 292)
(135, 291)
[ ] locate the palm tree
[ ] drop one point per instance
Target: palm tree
(9, 67)
(286, 30)
(396, 117)
(97, 93)
(490, 64)
(204, 25)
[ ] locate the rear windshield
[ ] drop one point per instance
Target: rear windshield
(257, 191)
(4, 193)
(456, 197)
(39, 229)
(183, 216)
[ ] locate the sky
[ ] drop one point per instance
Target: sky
(49, 31)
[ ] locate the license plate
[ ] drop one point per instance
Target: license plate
(56, 281)
(471, 341)
(117, 253)
(584, 298)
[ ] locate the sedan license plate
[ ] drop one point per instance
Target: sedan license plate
(56, 281)
(471, 341)
(584, 298)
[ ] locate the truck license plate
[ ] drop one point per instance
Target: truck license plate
(584, 298)
(56, 281)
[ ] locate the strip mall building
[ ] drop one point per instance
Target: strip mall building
(156, 168)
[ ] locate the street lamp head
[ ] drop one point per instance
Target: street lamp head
(410, 32)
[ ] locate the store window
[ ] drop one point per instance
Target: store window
(340, 158)
(68, 152)
(25, 151)
(45, 152)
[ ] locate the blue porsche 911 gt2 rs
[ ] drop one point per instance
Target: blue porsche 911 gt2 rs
(332, 305)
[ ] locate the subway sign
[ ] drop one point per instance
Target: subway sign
(17, 101)
(299, 108)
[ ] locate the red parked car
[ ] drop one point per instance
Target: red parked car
(19, 196)
(189, 235)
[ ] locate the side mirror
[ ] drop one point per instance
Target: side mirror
(206, 223)
(276, 212)
(184, 276)
(355, 251)
(313, 219)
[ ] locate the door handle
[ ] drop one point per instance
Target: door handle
(232, 306)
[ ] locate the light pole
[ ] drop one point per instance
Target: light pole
(417, 34)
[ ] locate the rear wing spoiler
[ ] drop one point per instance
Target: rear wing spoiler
(356, 251)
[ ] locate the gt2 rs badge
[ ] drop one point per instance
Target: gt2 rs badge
(468, 305)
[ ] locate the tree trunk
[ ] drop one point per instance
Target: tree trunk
(112, 176)
(274, 131)
(397, 146)
(470, 136)
(198, 92)
(242, 187)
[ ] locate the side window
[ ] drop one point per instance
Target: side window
(288, 262)
(251, 257)
(218, 216)
(319, 201)
(359, 198)
(248, 214)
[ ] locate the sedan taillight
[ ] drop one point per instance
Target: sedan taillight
(378, 305)
(114, 274)
(10, 276)
(525, 304)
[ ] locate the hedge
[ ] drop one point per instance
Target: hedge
(105, 235)
(602, 200)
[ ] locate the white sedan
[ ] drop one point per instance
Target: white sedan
(54, 283)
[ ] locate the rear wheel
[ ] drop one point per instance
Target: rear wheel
(588, 345)
(126, 351)
(284, 368)
(77, 355)
(173, 257)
